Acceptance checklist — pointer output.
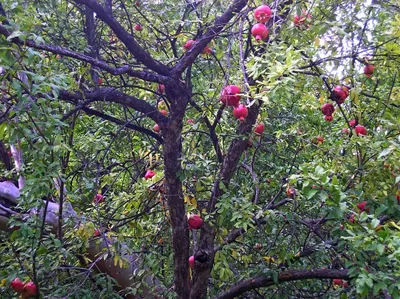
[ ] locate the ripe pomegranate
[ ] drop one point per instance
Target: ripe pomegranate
(30, 290)
(149, 174)
(352, 123)
(320, 139)
(240, 112)
(263, 14)
(369, 70)
(345, 131)
(327, 109)
(337, 282)
(259, 32)
(98, 198)
(361, 130)
(189, 44)
(138, 27)
(259, 129)
(195, 221)
(156, 128)
(164, 112)
(207, 50)
(17, 285)
(328, 117)
(361, 206)
(99, 81)
(229, 95)
(191, 262)
(339, 94)
(161, 88)
(291, 192)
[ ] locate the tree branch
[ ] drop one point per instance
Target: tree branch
(290, 275)
(219, 24)
(134, 48)
(126, 69)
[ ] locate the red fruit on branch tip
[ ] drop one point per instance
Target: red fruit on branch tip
(230, 95)
(362, 206)
(328, 117)
(259, 32)
(361, 130)
(263, 14)
(206, 50)
(259, 128)
(339, 94)
(369, 70)
(99, 81)
(303, 21)
(327, 109)
(17, 285)
(164, 112)
(138, 27)
(156, 128)
(191, 262)
(149, 174)
(98, 198)
(194, 221)
(240, 112)
(320, 139)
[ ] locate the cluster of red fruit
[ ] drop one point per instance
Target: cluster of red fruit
(27, 290)
(230, 96)
(262, 14)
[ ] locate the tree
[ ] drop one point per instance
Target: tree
(117, 124)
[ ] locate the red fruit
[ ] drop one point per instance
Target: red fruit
(351, 218)
(263, 14)
(345, 131)
(138, 27)
(149, 174)
(259, 129)
(303, 21)
(369, 70)
(96, 233)
(30, 290)
(291, 192)
(328, 117)
(207, 50)
(99, 81)
(240, 112)
(345, 284)
(164, 112)
(352, 123)
(327, 109)
(320, 139)
(98, 198)
(229, 95)
(259, 32)
(156, 128)
(195, 221)
(258, 246)
(190, 121)
(361, 130)
(189, 44)
(339, 94)
(191, 262)
(361, 206)
(161, 88)
(337, 282)
(17, 285)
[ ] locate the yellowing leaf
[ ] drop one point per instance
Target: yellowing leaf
(321, 100)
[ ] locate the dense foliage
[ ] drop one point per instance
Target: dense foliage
(114, 125)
